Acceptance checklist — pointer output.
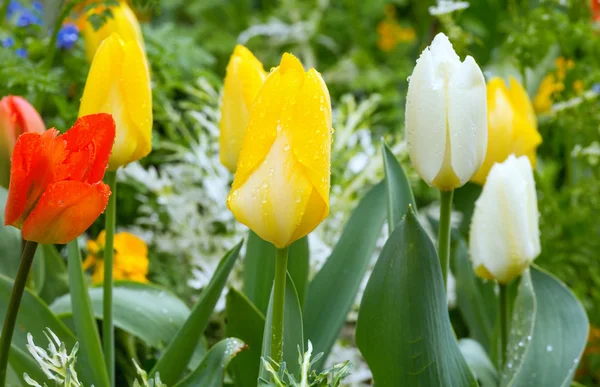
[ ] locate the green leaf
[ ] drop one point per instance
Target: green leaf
(399, 193)
(22, 362)
(332, 291)
(548, 333)
(293, 337)
(212, 369)
(176, 357)
(480, 363)
(464, 201)
(475, 298)
(56, 281)
(259, 269)
(146, 311)
(90, 357)
(244, 321)
(403, 328)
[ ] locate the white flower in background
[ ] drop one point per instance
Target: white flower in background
(444, 7)
(446, 116)
(505, 237)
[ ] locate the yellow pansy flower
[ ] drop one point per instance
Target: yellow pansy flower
(119, 83)
(554, 83)
(281, 186)
(390, 32)
(512, 125)
(130, 258)
(245, 76)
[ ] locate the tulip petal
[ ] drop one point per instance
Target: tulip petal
(467, 119)
(65, 210)
(27, 119)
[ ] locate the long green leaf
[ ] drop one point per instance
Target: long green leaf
(212, 369)
(293, 338)
(90, 352)
(56, 281)
(176, 357)
(403, 328)
(399, 193)
(479, 361)
(245, 322)
(22, 362)
(548, 334)
(259, 269)
(332, 292)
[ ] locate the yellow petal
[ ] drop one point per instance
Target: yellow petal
(129, 244)
(542, 102)
(521, 102)
(245, 76)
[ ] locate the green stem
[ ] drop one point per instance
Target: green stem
(108, 332)
(13, 306)
(4, 11)
(278, 305)
(503, 304)
(444, 233)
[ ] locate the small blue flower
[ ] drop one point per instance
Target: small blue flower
(67, 36)
(596, 88)
(38, 6)
(21, 52)
(13, 7)
(8, 42)
(28, 17)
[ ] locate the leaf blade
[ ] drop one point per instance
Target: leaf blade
(399, 192)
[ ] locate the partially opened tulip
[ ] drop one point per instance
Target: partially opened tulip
(17, 116)
(446, 116)
(245, 76)
(512, 126)
(505, 236)
(119, 83)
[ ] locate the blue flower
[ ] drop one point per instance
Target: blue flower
(21, 52)
(38, 6)
(596, 88)
(13, 7)
(67, 36)
(28, 17)
(8, 42)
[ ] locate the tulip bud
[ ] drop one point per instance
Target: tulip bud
(122, 22)
(119, 83)
(17, 116)
(512, 126)
(446, 118)
(505, 237)
(281, 186)
(245, 76)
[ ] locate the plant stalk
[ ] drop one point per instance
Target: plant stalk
(503, 304)
(13, 306)
(444, 233)
(281, 260)
(108, 332)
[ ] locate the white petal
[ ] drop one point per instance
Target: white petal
(443, 53)
(467, 119)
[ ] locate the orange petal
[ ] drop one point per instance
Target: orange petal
(65, 210)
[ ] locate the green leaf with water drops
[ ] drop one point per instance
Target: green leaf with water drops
(548, 333)
(399, 192)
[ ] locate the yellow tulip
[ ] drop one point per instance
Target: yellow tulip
(123, 22)
(245, 76)
(281, 186)
(512, 126)
(119, 83)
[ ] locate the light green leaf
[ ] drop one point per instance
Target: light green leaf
(245, 321)
(176, 357)
(212, 369)
(548, 333)
(56, 281)
(403, 328)
(399, 193)
(22, 362)
(293, 337)
(332, 292)
(480, 363)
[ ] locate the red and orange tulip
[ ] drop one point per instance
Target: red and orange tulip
(56, 190)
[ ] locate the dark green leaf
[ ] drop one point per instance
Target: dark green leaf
(333, 290)
(464, 201)
(403, 328)
(399, 193)
(56, 282)
(176, 357)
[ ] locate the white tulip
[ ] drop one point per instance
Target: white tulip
(446, 116)
(505, 236)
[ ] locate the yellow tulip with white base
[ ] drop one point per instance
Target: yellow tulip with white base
(505, 237)
(281, 186)
(446, 116)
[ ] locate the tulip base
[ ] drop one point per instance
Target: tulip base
(444, 233)
(281, 260)
(108, 333)
(13, 306)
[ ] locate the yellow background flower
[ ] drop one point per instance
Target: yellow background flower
(554, 83)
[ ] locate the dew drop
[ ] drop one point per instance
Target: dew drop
(286, 147)
(549, 348)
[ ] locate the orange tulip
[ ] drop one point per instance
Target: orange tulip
(56, 190)
(17, 116)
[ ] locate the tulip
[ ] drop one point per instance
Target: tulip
(122, 22)
(512, 126)
(119, 83)
(56, 190)
(281, 186)
(245, 76)
(446, 117)
(504, 235)
(17, 116)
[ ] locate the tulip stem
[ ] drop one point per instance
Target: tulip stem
(13, 306)
(4, 10)
(503, 323)
(108, 332)
(278, 306)
(444, 233)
